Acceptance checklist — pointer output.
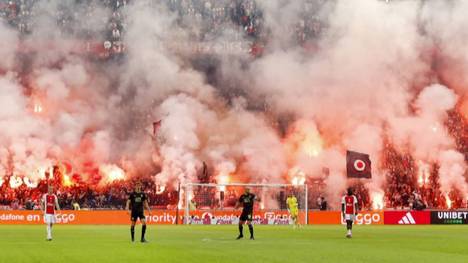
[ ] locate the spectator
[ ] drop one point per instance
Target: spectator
(323, 204)
(192, 205)
(76, 206)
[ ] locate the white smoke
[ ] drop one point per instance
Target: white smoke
(360, 85)
(8, 46)
(452, 170)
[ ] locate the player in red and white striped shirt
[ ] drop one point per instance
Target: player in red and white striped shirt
(349, 208)
(49, 204)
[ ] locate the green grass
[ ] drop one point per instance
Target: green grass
(216, 244)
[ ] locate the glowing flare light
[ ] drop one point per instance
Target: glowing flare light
(448, 201)
(67, 181)
(423, 173)
(298, 177)
(112, 172)
(38, 108)
(15, 181)
(311, 144)
(305, 139)
(223, 179)
(377, 200)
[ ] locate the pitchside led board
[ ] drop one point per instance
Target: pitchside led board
(270, 217)
(407, 217)
(449, 217)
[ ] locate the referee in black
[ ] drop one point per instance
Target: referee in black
(137, 202)
(246, 200)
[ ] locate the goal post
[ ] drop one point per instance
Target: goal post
(215, 203)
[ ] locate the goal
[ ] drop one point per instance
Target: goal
(215, 203)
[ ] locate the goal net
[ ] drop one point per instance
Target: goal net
(215, 203)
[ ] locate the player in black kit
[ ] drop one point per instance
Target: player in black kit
(137, 202)
(247, 201)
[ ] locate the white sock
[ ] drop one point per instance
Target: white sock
(49, 231)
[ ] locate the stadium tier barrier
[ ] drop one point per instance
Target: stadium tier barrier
(272, 217)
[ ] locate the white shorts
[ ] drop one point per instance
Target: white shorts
(49, 219)
(349, 217)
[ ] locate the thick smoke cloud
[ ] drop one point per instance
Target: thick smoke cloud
(373, 77)
(380, 72)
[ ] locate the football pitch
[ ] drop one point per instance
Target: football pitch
(208, 244)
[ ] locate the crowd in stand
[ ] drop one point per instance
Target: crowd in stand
(401, 193)
(101, 34)
(85, 196)
(412, 184)
(458, 129)
(204, 20)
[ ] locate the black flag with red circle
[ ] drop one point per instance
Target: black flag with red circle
(358, 165)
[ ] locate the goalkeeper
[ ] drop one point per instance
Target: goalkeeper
(293, 209)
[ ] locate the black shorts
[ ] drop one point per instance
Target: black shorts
(137, 215)
(246, 216)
